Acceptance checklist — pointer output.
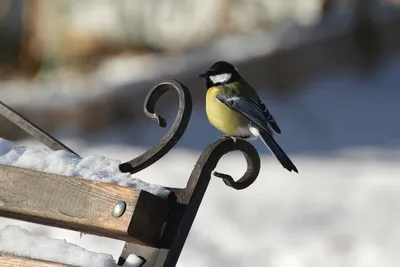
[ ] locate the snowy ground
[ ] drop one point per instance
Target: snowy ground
(342, 209)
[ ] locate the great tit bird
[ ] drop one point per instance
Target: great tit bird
(234, 108)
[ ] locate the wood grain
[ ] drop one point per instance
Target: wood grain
(81, 205)
(7, 260)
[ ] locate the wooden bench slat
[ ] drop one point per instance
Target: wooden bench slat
(81, 205)
(7, 260)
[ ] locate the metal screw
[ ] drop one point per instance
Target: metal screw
(119, 208)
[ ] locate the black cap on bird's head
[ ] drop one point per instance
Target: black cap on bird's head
(220, 72)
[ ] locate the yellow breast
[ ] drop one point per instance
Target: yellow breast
(222, 117)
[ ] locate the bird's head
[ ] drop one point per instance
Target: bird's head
(220, 72)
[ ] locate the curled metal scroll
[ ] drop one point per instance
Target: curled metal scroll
(190, 198)
(211, 156)
(175, 132)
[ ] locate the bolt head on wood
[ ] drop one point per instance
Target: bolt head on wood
(119, 209)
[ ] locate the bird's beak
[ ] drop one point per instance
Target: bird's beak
(203, 75)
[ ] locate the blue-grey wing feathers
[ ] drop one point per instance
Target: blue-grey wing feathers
(255, 111)
(261, 122)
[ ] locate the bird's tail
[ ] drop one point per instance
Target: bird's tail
(276, 150)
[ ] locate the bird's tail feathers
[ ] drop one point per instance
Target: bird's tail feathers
(276, 150)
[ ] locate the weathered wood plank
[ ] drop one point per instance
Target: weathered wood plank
(81, 205)
(7, 260)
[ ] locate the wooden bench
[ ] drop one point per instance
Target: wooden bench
(152, 227)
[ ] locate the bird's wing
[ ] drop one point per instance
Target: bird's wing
(254, 110)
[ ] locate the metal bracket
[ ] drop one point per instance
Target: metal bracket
(187, 200)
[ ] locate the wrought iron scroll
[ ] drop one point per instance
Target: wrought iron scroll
(32, 129)
(198, 182)
(174, 134)
(214, 152)
(189, 200)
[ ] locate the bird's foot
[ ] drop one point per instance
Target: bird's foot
(228, 137)
(224, 137)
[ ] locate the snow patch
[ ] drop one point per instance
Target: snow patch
(92, 167)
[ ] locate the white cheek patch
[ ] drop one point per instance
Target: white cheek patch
(221, 78)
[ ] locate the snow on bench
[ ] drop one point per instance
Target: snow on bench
(93, 167)
(16, 241)
(59, 189)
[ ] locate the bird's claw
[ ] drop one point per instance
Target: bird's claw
(228, 137)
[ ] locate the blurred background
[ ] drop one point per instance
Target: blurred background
(329, 70)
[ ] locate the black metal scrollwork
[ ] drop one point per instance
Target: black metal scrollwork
(214, 152)
(210, 157)
(174, 134)
(252, 159)
(190, 198)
